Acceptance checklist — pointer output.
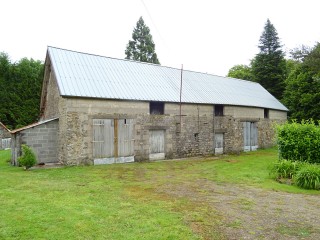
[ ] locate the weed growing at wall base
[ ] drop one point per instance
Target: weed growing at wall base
(28, 158)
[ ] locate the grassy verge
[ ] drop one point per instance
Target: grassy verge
(121, 201)
(251, 168)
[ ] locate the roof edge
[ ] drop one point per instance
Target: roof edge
(4, 126)
(285, 109)
(33, 125)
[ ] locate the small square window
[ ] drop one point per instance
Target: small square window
(218, 110)
(156, 108)
(266, 113)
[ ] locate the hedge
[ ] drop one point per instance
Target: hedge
(299, 141)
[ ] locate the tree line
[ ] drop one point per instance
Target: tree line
(294, 81)
(20, 90)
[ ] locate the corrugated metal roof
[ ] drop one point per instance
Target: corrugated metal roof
(86, 75)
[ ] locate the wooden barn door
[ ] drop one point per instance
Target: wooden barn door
(113, 141)
(125, 140)
(250, 136)
(156, 141)
(103, 141)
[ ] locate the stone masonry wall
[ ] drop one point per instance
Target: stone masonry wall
(51, 109)
(43, 139)
(192, 134)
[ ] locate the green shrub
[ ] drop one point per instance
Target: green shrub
(299, 141)
(28, 158)
(308, 177)
(285, 169)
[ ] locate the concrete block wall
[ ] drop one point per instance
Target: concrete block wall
(43, 139)
(243, 112)
(276, 115)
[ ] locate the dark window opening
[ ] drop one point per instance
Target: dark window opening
(218, 110)
(196, 136)
(157, 108)
(125, 121)
(266, 113)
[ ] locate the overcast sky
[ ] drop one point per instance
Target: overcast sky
(204, 35)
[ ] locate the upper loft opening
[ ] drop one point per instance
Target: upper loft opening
(156, 108)
(266, 113)
(218, 110)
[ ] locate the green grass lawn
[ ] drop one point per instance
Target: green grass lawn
(120, 201)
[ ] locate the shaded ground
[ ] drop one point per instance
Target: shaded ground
(253, 213)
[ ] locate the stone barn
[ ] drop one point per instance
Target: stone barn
(5, 137)
(111, 110)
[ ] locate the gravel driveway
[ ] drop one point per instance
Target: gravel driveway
(254, 213)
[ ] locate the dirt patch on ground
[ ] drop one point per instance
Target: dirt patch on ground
(253, 213)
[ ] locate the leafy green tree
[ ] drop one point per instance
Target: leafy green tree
(302, 93)
(269, 65)
(141, 47)
(241, 72)
(20, 90)
(299, 53)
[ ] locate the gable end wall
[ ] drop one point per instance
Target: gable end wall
(52, 98)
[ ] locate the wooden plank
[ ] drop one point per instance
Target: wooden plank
(250, 136)
(218, 140)
(116, 138)
(254, 136)
(103, 137)
(246, 136)
(126, 137)
(156, 141)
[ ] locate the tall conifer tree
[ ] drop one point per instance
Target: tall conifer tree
(141, 47)
(269, 65)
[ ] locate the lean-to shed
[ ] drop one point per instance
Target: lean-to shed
(42, 137)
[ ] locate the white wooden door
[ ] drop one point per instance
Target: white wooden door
(250, 136)
(156, 141)
(218, 141)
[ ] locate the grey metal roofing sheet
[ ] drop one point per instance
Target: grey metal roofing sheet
(86, 75)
